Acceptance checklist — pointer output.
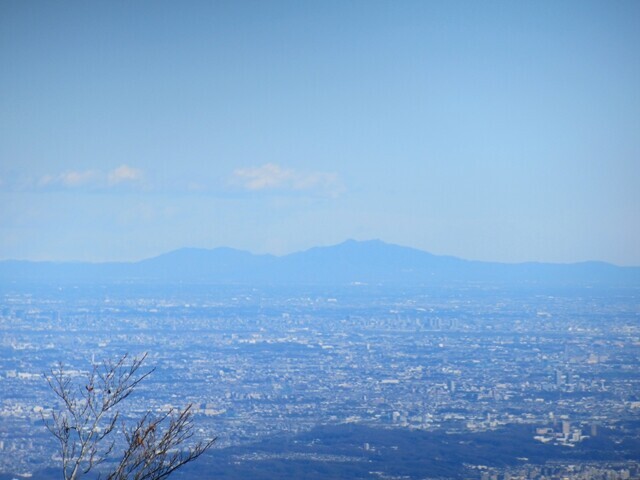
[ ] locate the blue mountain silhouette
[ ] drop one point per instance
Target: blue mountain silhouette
(366, 262)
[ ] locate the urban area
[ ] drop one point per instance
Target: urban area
(459, 361)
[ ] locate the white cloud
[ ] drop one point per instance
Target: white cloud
(91, 179)
(124, 174)
(267, 176)
(271, 176)
(71, 179)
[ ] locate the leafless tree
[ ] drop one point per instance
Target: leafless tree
(84, 425)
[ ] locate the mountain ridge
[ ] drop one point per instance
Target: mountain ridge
(349, 262)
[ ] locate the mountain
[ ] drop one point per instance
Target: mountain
(369, 262)
(223, 264)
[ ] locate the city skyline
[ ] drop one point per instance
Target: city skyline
(495, 131)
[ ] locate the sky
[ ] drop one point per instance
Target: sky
(494, 130)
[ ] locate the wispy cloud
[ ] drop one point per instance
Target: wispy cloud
(71, 179)
(124, 175)
(267, 178)
(271, 176)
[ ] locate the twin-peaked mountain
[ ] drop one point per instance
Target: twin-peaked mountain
(367, 262)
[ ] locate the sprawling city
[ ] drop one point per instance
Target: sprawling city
(546, 379)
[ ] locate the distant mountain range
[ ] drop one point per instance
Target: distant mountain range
(350, 262)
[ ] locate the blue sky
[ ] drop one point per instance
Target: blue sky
(505, 131)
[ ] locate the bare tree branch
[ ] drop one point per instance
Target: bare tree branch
(154, 447)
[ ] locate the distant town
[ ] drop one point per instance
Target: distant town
(562, 364)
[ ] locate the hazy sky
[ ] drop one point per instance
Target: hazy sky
(504, 131)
